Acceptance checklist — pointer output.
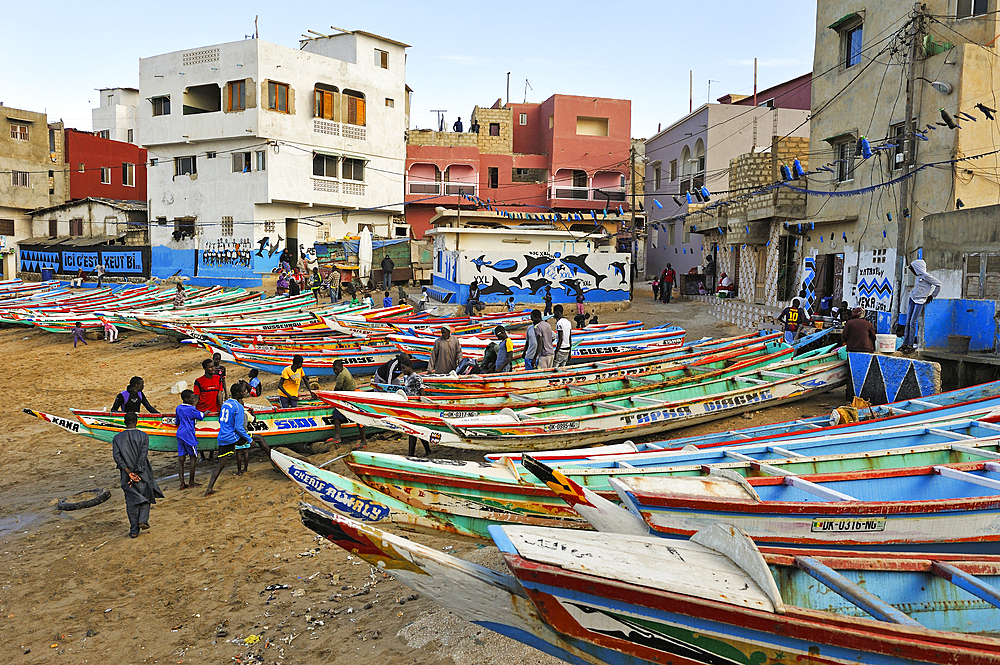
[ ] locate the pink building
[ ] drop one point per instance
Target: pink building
(567, 154)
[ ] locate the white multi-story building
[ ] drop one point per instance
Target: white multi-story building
(115, 118)
(256, 147)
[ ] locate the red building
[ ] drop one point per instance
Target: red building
(106, 169)
(566, 154)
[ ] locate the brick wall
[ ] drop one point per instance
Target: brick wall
(495, 145)
(446, 139)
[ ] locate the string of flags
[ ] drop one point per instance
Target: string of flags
(494, 206)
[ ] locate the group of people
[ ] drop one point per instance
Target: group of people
(82, 275)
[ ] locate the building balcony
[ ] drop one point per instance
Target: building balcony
(442, 188)
(330, 128)
(329, 186)
(603, 194)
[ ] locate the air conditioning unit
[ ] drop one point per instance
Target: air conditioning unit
(852, 274)
(899, 158)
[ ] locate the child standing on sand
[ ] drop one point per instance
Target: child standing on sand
(78, 335)
(187, 442)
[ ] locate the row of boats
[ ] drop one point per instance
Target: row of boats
(817, 540)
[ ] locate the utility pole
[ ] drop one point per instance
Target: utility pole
(690, 91)
(631, 210)
(903, 219)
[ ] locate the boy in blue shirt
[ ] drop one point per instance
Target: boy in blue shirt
(232, 432)
(387, 300)
(187, 443)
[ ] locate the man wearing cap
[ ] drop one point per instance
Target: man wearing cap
(505, 354)
(859, 337)
(446, 354)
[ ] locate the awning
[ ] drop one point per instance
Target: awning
(363, 159)
(846, 19)
(843, 136)
(807, 224)
(326, 153)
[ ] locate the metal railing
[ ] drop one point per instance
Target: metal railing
(587, 193)
(438, 188)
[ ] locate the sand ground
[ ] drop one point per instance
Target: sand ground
(75, 589)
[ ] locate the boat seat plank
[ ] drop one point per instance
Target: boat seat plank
(985, 425)
(608, 405)
(926, 405)
(992, 466)
(967, 477)
(808, 423)
(648, 400)
(782, 451)
(585, 391)
(802, 484)
(519, 398)
(964, 580)
(850, 591)
(738, 456)
(776, 375)
(639, 379)
(747, 379)
(969, 450)
(949, 434)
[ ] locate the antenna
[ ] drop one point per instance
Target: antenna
(527, 86)
(710, 82)
(256, 32)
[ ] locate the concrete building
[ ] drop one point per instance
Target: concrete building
(32, 164)
(850, 242)
(104, 168)
(696, 152)
(254, 147)
(567, 154)
(115, 118)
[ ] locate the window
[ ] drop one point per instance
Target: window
(128, 174)
(523, 119)
(277, 97)
(355, 108)
(493, 175)
(104, 134)
(52, 140)
(52, 182)
(769, 104)
(105, 175)
(236, 96)
(162, 221)
(184, 226)
(6, 227)
(53, 228)
(227, 226)
(897, 136)
(845, 160)
(587, 126)
(81, 167)
(967, 8)
(494, 129)
(673, 170)
(981, 278)
(154, 161)
(131, 136)
(354, 169)
(325, 166)
(852, 45)
(161, 105)
(211, 154)
(202, 99)
(390, 102)
(76, 226)
(20, 179)
(656, 178)
(261, 157)
(324, 96)
(185, 165)
(269, 226)
(670, 234)
(382, 59)
(19, 132)
(241, 162)
(528, 175)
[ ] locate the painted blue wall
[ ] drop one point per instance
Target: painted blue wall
(166, 261)
(975, 318)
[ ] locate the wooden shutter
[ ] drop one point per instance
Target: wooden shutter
(991, 284)
(352, 110)
(360, 112)
(970, 286)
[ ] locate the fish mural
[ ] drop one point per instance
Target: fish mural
(601, 276)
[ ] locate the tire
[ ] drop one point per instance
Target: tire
(100, 495)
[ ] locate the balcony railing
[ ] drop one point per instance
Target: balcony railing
(587, 193)
(427, 188)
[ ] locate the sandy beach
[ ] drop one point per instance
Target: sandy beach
(195, 587)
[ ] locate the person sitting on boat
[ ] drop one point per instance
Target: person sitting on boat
(793, 318)
(505, 350)
(179, 296)
(422, 305)
(291, 380)
(77, 282)
(131, 399)
(413, 386)
(253, 383)
(388, 373)
(473, 302)
(344, 383)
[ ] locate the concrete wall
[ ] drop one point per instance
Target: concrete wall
(117, 114)
(950, 236)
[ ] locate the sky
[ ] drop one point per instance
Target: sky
(460, 52)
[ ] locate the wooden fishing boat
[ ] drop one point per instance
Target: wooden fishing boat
(613, 419)
(433, 411)
(314, 365)
(476, 593)
(484, 494)
(717, 598)
(971, 402)
(935, 508)
(279, 427)
(442, 385)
